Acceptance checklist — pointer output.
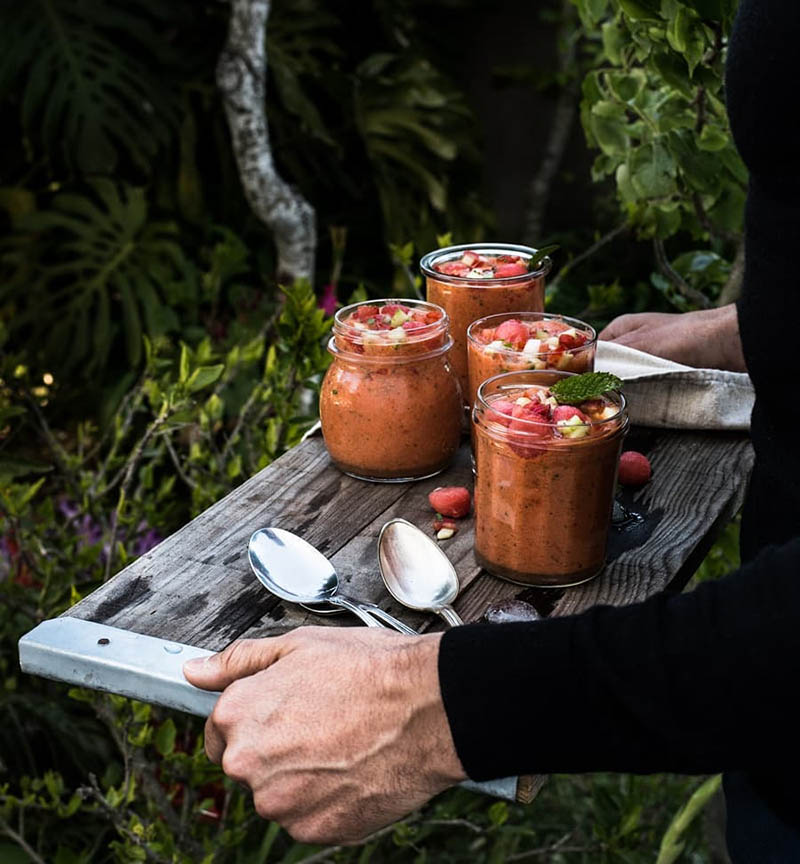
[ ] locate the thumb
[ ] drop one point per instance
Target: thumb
(239, 660)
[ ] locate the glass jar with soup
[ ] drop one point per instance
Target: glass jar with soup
(515, 341)
(479, 279)
(390, 403)
(545, 479)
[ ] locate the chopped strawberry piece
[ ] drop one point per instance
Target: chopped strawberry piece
(451, 501)
(567, 412)
(440, 523)
(364, 312)
(432, 316)
(513, 332)
(506, 271)
(413, 325)
(390, 308)
(572, 340)
(634, 468)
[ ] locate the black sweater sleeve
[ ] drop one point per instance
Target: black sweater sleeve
(692, 683)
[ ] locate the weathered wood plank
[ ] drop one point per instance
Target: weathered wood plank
(197, 587)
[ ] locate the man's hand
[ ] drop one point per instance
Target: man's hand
(707, 339)
(337, 731)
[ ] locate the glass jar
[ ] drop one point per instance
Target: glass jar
(390, 403)
(544, 489)
(529, 340)
(468, 297)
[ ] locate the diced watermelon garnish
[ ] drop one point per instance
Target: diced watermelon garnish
(501, 411)
(505, 271)
(390, 308)
(567, 412)
(413, 325)
(364, 312)
(452, 268)
(513, 332)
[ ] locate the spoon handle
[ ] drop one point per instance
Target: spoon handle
(357, 611)
(398, 625)
(450, 615)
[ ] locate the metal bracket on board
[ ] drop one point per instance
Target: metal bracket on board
(142, 667)
(117, 661)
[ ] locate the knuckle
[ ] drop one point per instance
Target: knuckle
(235, 764)
(235, 653)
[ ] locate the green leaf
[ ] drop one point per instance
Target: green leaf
(538, 257)
(607, 125)
(165, 737)
(203, 376)
(713, 138)
(183, 367)
(498, 813)
(86, 100)
(92, 260)
(653, 171)
(671, 843)
(679, 29)
(578, 388)
(640, 10)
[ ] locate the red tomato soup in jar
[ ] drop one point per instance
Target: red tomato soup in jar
(527, 340)
(390, 403)
(481, 279)
(545, 479)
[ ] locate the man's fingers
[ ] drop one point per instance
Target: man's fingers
(238, 660)
(619, 327)
(214, 742)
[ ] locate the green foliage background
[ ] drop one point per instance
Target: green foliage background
(150, 362)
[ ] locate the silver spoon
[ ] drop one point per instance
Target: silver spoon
(415, 570)
(294, 570)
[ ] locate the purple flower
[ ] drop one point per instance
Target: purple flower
(146, 539)
(328, 302)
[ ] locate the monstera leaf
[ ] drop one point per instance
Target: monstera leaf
(81, 94)
(98, 268)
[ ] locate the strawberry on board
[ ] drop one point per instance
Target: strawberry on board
(453, 501)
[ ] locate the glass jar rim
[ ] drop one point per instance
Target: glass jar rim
(427, 261)
(419, 334)
(390, 359)
(537, 316)
(483, 406)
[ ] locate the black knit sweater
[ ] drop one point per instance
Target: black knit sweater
(700, 682)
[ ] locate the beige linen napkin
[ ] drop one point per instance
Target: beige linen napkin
(669, 395)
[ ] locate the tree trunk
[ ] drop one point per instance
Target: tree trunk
(241, 78)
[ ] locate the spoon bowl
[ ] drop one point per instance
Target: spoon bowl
(415, 570)
(292, 569)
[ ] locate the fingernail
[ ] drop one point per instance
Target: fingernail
(196, 664)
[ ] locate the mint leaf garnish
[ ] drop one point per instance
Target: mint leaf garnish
(534, 262)
(579, 388)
